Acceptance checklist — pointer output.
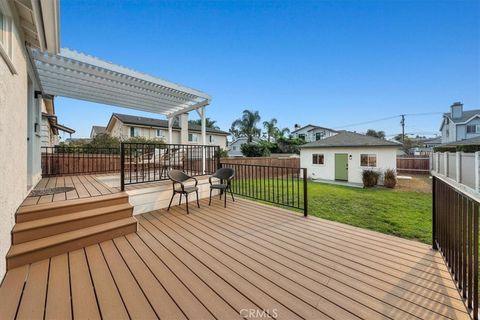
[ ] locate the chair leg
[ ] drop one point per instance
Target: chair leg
(171, 199)
(186, 202)
(221, 192)
(233, 199)
(180, 200)
(225, 199)
(210, 200)
(198, 203)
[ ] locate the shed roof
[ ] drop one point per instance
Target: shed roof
(350, 139)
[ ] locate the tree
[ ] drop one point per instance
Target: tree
(377, 134)
(234, 132)
(407, 143)
(280, 133)
(270, 128)
(247, 124)
(209, 123)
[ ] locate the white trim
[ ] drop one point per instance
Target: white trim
(6, 47)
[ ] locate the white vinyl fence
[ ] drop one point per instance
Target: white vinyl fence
(462, 167)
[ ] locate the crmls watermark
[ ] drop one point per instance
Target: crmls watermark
(259, 313)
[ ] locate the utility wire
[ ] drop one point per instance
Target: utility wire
(388, 118)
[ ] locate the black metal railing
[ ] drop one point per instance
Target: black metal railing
(282, 186)
(455, 234)
(63, 160)
(150, 162)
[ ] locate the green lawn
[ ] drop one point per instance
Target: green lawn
(400, 213)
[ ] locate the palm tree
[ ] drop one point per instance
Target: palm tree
(209, 123)
(282, 132)
(270, 127)
(247, 124)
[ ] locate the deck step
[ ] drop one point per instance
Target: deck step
(45, 227)
(46, 210)
(35, 250)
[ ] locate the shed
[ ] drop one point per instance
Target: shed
(345, 155)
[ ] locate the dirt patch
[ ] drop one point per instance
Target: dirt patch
(418, 183)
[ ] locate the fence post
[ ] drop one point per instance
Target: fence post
(477, 169)
(458, 156)
(122, 167)
(305, 193)
(438, 163)
(445, 164)
(434, 214)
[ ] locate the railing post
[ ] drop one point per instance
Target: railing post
(445, 164)
(434, 214)
(217, 152)
(305, 193)
(458, 167)
(122, 167)
(477, 171)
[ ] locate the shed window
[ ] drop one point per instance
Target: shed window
(318, 158)
(368, 160)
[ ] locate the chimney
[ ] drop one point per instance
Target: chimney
(297, 126)
(456, 110)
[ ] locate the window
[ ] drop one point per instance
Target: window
(192, 137)
(6, 47)
(368, 160)
(234, 148)
(319, 135)
(473, 128)
(211, 139)
(134, 132)
(318, 159)
(160, 133)
(301, 136)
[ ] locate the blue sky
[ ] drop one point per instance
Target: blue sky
(331, 63)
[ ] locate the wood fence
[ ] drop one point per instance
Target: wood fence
(413, 164)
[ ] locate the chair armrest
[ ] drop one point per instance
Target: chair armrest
(196, 181)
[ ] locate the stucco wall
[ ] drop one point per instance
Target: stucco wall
(386, 159)
(13, 142)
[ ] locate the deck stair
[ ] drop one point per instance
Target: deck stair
(45, 230)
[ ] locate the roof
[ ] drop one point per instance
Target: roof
(350, 139)
(98, 129)
(158, 123)
(55, 126)
(435, 140)
(315, 127)
(467, 142)
(79, 76)
(466, 115)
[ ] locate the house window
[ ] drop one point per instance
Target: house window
(302, 136)
(192, 137)
(473, 128)
(319, 135)
(234, 148)
(368, 160)
(6, 46)
(160, 133)
(211, 139)
(134, 132)
(447, 133)
(318, 159)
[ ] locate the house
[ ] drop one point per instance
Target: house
(459, 124)
(124, 126)
(50, 128)
(310, 133)
(235, 147)
(96, 130)
(345, 155)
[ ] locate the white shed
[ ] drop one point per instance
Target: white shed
(344, 156)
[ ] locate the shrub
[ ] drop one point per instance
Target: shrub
(370, 178)
(222, 153)
(390, 178)
(254, 150)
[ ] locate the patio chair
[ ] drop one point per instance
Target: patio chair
(225, 175)
(178, 178)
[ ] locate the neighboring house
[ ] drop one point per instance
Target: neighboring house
(50, 128)
(96, 130)
(467, 142)
(345, 155)
(459, 124)
(125, 126)
(235, 147)
(310, 133)
(425, 146)
(34, 24)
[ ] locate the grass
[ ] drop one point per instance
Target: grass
(400, 212)
(404, 214)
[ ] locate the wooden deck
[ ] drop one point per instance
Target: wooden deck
(86, 186)
(247, 261)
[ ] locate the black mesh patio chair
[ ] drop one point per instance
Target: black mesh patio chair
(178, 178)
(225, 175)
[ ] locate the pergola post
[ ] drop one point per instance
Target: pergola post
(170, 132)
(201, 112)
(184, 128)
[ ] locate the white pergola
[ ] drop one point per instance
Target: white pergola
(76, 75)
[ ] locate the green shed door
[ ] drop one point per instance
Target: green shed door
(341, 166)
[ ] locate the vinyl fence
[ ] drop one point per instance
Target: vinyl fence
(462, 167)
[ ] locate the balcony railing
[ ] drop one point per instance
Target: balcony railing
(455, 234)
(150, 162)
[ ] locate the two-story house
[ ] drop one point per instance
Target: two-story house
(124, 126)
(459, 124)
(310, 133)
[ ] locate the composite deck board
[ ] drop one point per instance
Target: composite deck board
(217, 263)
